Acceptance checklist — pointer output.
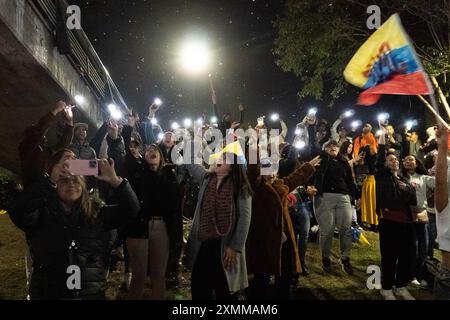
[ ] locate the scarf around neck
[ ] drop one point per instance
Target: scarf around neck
(216, 210)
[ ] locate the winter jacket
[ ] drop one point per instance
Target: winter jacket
(34, 153)
(57, 240)
(320, 175)
(270, 218)
(236, 277)
(388, 193)
(83, 150)
(159, 195)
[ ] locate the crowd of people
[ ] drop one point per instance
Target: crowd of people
(247, 226)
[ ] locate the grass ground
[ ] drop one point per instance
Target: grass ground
(317, 286)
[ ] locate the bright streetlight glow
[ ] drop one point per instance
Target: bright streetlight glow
(312, 111)
(214, 120)
(195, 56)
(154, 121)
(187, 123)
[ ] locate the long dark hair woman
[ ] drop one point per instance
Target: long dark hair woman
(395, 197)
(216, 245)
(67, 227)
(159, 225)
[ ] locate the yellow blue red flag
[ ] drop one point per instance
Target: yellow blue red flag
(387, 64)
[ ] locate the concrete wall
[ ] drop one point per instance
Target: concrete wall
(33, 76)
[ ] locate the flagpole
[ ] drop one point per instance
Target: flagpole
(434, 108)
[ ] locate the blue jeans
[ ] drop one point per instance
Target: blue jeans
(302, 223)
(432, 233)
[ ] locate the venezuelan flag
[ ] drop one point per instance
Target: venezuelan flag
(234, 148)
(387, 64)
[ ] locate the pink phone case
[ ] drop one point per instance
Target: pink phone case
(83, 167)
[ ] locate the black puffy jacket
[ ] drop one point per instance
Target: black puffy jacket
(57, 240)
(320, 176)
(159, 194)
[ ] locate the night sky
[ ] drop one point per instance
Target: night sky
(138, 42)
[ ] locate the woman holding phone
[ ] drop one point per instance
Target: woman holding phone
(68, 229)
(159, 225)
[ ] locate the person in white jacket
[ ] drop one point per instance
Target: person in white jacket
(338, 132)
(418, 177)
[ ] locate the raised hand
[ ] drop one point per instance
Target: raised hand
(60, 171)
(60, 106)
(113, 129)
(442, 137)
(152, 110)
(315, 162)
(311, 191)
(235, 125)
(68, 115)
(107, 173)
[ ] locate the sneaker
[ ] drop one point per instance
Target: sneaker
(415, 282)
(326, 264)
(346, 266)
(387, 294)
(404, 294)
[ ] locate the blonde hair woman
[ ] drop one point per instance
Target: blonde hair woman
(68, 230)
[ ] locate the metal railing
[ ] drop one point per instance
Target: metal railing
(82, 55)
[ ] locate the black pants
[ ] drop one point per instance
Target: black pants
(208, 276)
(259, 288)
(397, 247)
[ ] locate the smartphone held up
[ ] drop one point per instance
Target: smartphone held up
(83, 167)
